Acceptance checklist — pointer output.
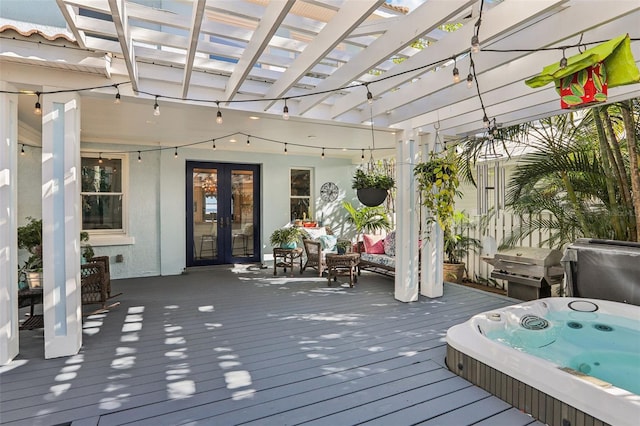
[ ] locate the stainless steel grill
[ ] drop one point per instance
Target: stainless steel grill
(529, 271)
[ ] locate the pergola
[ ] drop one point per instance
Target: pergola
(323, 60)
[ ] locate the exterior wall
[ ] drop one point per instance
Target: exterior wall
(156, 193)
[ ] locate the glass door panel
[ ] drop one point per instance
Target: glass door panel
(205, 211)
(242, 184)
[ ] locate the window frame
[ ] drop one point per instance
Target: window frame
(310, 197)
(105, 237)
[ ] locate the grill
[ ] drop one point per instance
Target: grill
(529, 271)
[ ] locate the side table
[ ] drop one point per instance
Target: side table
(33, 296)
(342, 265)
(283, 258)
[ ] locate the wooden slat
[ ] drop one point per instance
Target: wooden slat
(304, 351)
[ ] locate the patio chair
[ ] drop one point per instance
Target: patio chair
(314, 255)
(94, 288)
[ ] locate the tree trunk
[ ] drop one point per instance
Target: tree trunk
(630, 130)
(619, 162)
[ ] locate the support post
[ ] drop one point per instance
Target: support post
(406, 277)
(61, 224)
(431, 274)
(9, 344)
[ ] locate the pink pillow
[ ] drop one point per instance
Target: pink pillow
(374, 244)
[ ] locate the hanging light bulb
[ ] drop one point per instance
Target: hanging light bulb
(219, 114)
(485, 121)
(139, 157)
(322, 156)
(362, 156)
(369, 96)
(469, 81)
(456, 72)
(563, 61)
(117, 100)
(248, 141)
(475, 44)
(214, 144)
(285, 111)
(175, 154)
(37, 109)
(156, 108)
(22, 150)
(285, 149)
(100, 158)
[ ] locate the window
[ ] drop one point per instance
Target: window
(300, 194)
(103, 195)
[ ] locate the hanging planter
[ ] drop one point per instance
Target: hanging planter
(585, 78)
(372, 187)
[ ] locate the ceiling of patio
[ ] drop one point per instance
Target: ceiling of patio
(250, 55)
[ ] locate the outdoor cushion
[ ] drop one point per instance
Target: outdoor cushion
(315, 233)
(328, 242)
(380, 259)
(390, 244)
(373, 244)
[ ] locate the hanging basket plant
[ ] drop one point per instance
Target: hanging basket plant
(438, 183)
(372, 186)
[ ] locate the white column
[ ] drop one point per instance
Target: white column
(431, 274)
(8, 225)
(61, 219)
(406, 277)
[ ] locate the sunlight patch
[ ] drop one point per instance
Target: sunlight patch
(65, 377)
(129, 327)
(219, 349)
(181, 390)
(228, 364)
(113, 403)
(408, 353)
(211, 325)
(92, 324)
(133, 318)
(172, 328)
(175, 340)
(230, 356)
(131, 337)
(112, 387)
(75, 359)
(243, 394)
(319, 356)
(135, 310)
(123, 363)
(375, 349)
(14, 364)
(70, 368)
(124, 350)
(208, 308)
(237, 379)
(331, 336)
(57, 390)
(176, 354)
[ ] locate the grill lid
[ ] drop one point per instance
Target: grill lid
(530, 255)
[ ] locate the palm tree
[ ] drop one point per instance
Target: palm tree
(367, 219)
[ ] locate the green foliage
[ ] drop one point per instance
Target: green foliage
(287, 235)
(438, 184)
(367, 220)
(87, 249)
(457, 242)
(30, 238)
(372, 179)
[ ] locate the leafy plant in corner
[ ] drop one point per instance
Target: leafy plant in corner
(286, 236)
(372, 179)
(367, 220)
(30, 238)
(457, 242)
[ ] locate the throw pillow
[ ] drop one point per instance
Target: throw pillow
(328, 242)
(390, 244)
(315, 233)
(373, 244)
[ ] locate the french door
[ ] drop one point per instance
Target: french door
(222, 213)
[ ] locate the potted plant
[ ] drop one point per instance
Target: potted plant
(87, 249)
(367, 220)
(286, 237)
(372, 186)
(343, 246)
(457, 243)
(30, 238)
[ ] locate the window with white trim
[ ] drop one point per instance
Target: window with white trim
(103, 194)
(300, 194)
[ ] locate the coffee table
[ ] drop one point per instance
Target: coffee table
(342, 265)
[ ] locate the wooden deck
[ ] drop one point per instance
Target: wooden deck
(228, 346)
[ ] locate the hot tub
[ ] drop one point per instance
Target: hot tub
(592, 366)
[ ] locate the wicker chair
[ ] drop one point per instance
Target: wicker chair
(315, 257)
(92, 284)
(107, 274)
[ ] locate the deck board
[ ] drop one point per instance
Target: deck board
(223, 346)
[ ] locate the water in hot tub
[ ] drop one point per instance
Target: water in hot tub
(600, 345)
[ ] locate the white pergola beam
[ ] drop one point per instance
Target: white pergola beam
(70, 16)
(274, 14)
(421, 21)
(194, 35)
(121, 21)
(348, 17)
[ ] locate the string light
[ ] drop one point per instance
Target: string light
(117, 100)
(563, 61)
(22, 150)
(219, 114)
(485, 121)
(175, 154)
(469, 81)
(285, 110)
(214, 144)
(475, 44)
(456, 72)
(285, 149)
(369, 95)
(248, 141)
(139, 157)
(37, 109)
(362, 156)
(156, 108)
(322, 156)
(100, 158)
